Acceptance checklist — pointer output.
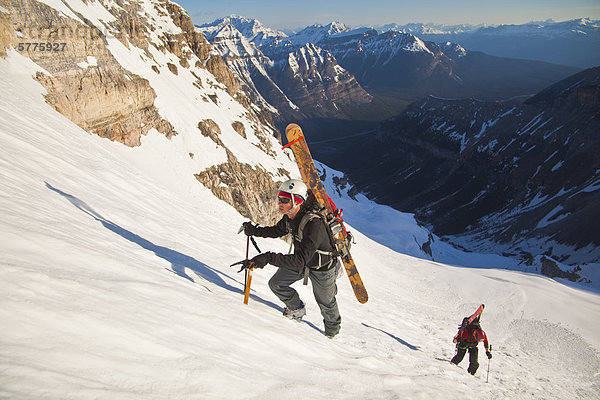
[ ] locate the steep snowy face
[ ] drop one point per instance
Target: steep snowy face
(114, 276)
(115, 284)
(124, 69)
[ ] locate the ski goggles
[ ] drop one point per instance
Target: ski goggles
(284, 198)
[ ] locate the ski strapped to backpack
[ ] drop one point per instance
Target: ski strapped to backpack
(310, 176)
(465, 324)
(476, 314)
(470, 319)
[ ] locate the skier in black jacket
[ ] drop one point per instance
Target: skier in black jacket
(312, 256)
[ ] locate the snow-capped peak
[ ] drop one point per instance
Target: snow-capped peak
(454, 49)
(251, 29)
(317, 32)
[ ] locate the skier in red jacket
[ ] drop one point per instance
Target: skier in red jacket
(467, 338)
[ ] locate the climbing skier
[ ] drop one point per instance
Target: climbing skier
(313, 256)
(467, 338)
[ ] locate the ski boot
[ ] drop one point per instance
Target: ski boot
(296, 314)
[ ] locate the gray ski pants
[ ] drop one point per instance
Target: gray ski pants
(324, 289)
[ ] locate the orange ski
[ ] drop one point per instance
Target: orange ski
(476, 314)
(310, 176)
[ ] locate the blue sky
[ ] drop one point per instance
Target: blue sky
(292, 14)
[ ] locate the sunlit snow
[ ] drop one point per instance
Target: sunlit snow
(115, 283)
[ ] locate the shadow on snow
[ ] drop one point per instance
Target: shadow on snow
(396, 338)
(179, 261)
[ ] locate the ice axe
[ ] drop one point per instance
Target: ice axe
(250, 238)
(248, 276)
(249, 271)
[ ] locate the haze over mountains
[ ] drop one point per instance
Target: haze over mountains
(575, 42)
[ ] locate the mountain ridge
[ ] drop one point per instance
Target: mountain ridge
(573, 42)
(407, 68)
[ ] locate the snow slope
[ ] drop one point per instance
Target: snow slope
(115, 283)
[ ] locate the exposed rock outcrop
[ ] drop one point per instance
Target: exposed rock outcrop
(551, 269)
(313, 80)
(84, 81)
(251, 191)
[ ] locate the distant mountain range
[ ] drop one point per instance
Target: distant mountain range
(575, 42)
(334, 72)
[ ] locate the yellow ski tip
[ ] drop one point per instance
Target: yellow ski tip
(292, 126)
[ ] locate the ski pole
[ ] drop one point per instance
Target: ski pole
(488, 372)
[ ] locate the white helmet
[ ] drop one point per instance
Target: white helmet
(295, 190)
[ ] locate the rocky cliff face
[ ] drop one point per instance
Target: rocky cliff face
(294, 81)
(84, 81)
(255, 199)
(314, 81)
(104, 64)
(87, 84)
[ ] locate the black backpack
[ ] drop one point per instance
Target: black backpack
(334, 224)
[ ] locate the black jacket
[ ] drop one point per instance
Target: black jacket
(314, 237)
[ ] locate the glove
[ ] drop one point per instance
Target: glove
(257, 262)
(248, 228)
(261, 260)
(488, 354)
